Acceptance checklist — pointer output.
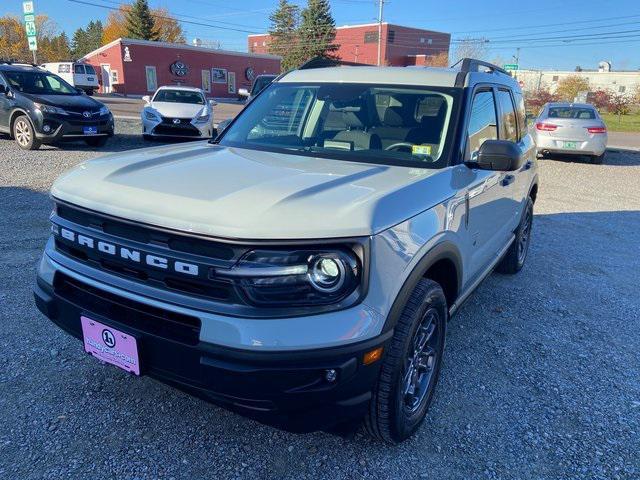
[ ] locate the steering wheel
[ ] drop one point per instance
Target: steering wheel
(401, 146)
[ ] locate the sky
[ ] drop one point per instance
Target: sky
(551, 34)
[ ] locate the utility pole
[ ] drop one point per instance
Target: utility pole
(380, 5)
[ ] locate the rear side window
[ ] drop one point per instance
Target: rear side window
(77, 68)
(508, 124)
(64, 68)
(521, 113)
(584, 113)
(483, 124)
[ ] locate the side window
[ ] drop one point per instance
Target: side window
(64, 68)
(483, 124)
(77, 68)
(521, 113)
(508, 124)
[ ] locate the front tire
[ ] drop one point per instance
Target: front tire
(411, 367)
(516, 255)
(25, 134)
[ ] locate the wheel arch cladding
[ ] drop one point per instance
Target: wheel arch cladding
(14, 115)
(442, 264)
(533, 192)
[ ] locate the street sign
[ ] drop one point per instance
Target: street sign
(30, 27)
(510, 67)
(33, 43)
(29, 17)
(27, 7)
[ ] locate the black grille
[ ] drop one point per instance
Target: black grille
(212, 253)
(145, 318)
(168, 127)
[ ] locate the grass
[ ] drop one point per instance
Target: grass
(626, 123)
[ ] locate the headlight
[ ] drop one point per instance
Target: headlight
(104, 111)
(296, 278)
(50, 109)
(149, 115)
(203, 116)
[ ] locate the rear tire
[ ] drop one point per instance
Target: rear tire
(96, 141)
(597, 159)
(24, 134)
(411, 366)
(516, 255)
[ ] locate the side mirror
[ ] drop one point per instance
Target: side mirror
(147, 99)
(498, 155)
(243, 92)
(212, 103)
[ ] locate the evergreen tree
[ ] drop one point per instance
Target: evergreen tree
(86, 40)
(140, 22)
(317, 30)
(283, 34)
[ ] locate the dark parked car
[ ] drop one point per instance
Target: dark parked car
(259, 84)
(39, 107)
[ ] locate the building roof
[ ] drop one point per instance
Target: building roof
(180, 46)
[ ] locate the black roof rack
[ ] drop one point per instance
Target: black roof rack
(323, 62)
(473, 65)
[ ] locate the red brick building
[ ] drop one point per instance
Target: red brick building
(139, 67)
(400, 46)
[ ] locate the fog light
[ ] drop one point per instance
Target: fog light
(46, 128)
(330, 375)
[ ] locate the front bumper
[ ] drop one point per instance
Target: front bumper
(287, 389)
(185, 129)
(65, 128)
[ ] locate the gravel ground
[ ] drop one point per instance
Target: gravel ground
(541, 373)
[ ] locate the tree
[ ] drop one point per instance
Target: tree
(317, 31)
(600, 99)
(87, 40)
(139, 21)
(167, 28)
(569, 87)
(535, 100)
(439, 60)
(619, 104)
(471, 48)
(52, 46)
(284, 34)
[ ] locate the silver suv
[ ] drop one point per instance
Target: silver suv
(301, 268)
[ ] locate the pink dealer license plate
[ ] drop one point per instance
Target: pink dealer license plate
(110, 345)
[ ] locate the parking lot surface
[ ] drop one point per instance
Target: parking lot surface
(540, 376)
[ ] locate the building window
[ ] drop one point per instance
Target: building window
(392, 36)
(422, 39)
(255, 44)
(555, 78)
(114, 76)
(430, 41)
(370, 37)
(264, 44)
(622, 89)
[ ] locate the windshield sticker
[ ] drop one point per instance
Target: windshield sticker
(421, 150)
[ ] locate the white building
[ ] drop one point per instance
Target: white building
(619, 82)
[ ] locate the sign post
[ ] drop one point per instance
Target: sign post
(30, 27)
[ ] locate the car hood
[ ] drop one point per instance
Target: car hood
(180, 110)
(65, 101)
(247, 194)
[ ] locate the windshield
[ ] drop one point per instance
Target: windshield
(179, 96)
(585, 113)
(39, 83)
(359, 122)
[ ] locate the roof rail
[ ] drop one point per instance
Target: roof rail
(323, 62)
(473, 65)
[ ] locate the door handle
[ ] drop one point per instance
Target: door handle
(508, 180)
(528, 165)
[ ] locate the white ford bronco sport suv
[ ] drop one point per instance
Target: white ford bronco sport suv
(301, 268)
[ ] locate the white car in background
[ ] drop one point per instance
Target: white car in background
(175, 111)
(571, 129)
(80, 75)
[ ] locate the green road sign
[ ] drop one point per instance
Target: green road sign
(510, 67)
(27, 7)
(30, 27)
(33, 43)
(29, 17)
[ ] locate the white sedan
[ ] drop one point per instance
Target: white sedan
(178, 112)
